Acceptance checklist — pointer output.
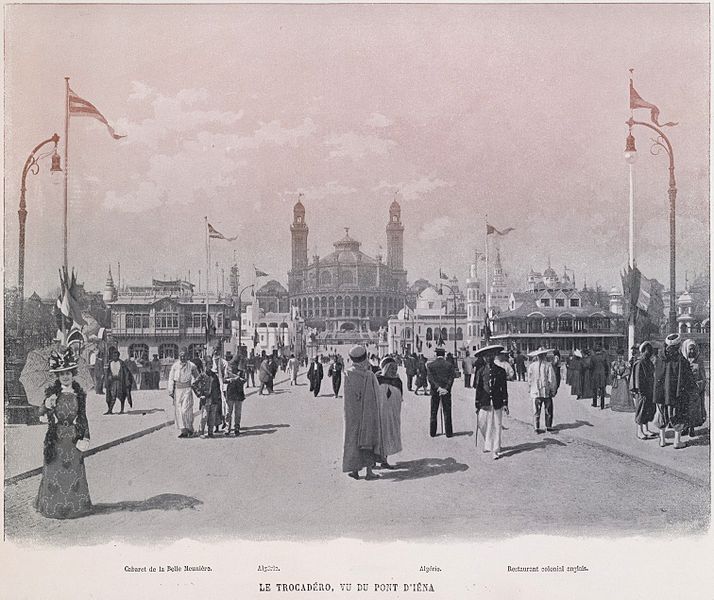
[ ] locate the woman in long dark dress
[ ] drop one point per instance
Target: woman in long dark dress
(587, 388)
(642, 389)
(64, 492)
(576, 374)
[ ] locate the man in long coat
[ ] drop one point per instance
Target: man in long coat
(491, 400)
(314, 376)
(440, 373)
(363, 437)
(182, 374)
(118, 382)
(600, 373)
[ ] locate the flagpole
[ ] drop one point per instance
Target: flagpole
(208, 281)
(66, 174)
(488, 295)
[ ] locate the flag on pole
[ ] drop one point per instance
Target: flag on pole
(259, 273)
(491, 229)
(636, 101)
(215, 234)
(79, 107)
(443, 275)
(67, 302)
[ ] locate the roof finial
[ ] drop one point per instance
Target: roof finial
(347, 231)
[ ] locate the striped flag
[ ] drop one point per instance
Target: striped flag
(215, 234)
(259, 273)
(491, 229)
(79, 107)
(636, 101)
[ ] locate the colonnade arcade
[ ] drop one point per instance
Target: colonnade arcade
(344, 305)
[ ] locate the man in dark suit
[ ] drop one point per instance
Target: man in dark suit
(491, 400)
(600, 372)
(440, 374)
(314, 376)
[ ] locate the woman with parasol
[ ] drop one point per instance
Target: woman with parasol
(64, 492)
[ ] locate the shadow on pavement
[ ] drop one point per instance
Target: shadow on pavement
(578, 423)
(423, 467)
(460, 433)
(160, 502)
(148, 411)
(255, 432)
(513, 450)
(268, 426)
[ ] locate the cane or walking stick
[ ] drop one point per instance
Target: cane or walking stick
(441, 411)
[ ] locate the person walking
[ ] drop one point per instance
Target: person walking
(64, 491)
(575, 369)
(587, 369)
(293, 369)
(334, 371)
(440, 374)
(314, 376)
(600, 373)
(541, 382)
(491, 400)
(642, 389)
(265, 376)
(390, 410)
(119, 381)
(201, 388)
(99, 374)
(620, 397)
(362, 434)
(520, 362)
(673, 382)
(213, 400)
(250, 366)
(467, 364)
(410, 365)
(696, 408)
(501, 360)
(235, 395)
(557, 365)
(421, 380)
(182, 374)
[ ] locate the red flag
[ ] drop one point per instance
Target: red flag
(636, 101)
(79, 107)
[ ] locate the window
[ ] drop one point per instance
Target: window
(168, 351)
(545, 301)
(130, 321)
(137, 321)
(575, 302)
(139, 351)
(429, 335)
(198, 320)
(167, 320)
(560, 302)
(459, 333)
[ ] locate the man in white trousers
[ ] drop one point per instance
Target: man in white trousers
(183, 373)
(490, 383)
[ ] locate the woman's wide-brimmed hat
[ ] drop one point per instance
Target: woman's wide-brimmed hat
(644, 345)
(538, 352)
(61, 361)
(578, 354)
(385, 361)
(492, 349)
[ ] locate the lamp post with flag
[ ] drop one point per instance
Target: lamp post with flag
(211, 234)
(240, 317)
(660, 143)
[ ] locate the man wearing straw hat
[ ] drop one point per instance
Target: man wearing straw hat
(542, 386)
(491, 400)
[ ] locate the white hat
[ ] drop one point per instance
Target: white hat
(538, 352)
(358, 353)
(578, 354)
(495, 348)
(673, 339)
(643, 345)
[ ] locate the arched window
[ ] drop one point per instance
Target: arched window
(168, 351)
(451, 333)
(459, 333)
(429, 335)
(325, 278)
(348, 277)
(444, 333)
(139, 351)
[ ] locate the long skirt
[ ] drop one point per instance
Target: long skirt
(645, 409)
(620, 399)
(697, 412)
(587, 388)
(64, 492)
(183, 407)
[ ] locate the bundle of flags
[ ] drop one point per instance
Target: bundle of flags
(637, 288)
(70, 320)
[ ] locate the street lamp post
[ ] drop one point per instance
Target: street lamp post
(240, 316)
(631, 158)
(661, 142)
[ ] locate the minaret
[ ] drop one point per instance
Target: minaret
(474, 320)
(298, 231)
(497, 291)
(110, 293)
(395, 244)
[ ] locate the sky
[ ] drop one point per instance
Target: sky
(511, 113)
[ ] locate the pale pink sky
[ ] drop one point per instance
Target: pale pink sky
(517, 111)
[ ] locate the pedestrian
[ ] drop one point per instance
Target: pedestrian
(467, 364)
(99, 373)
(374, 363)
(314, 376)
(201, 387)
(491, 400)
(390, 410)
(250, 367)
(600, 373)
(421, 380)
(265, 376)
(642, 388)
(213, 400)
(155, 372)
(293, 369)
(335, 373)
(620, 397)
(520, 363)
(587, 387)
(182, 374)
(119, 381)
(220, 369)
(362, 435)
(575, 369)
(133, 367)
(696, 408)
(541, 382)
(673, 383)
(557, 365)
(440, 374)
(63, 491)
(410, 365)
(235, 395)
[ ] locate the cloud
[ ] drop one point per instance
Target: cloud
(274, 133)
(411, 190)
(434, 230)
(378, 121)
(354, 145)
(331, 188)
(140, 92)
(146, 197)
